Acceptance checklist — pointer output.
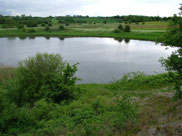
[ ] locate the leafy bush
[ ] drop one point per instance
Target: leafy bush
(116, 31)
(44, 76)
(24, 29)
(3, 100)
(120, 27)
(16, 120)
(8, 26)
(105, 22)
(32, 24)
(67, 24)
(61, 27)
(20, 26)
(173, 37)
(43, 24)
(31, 30)
(127, 28)
(46, 28)
(49, 24)
(138, 80)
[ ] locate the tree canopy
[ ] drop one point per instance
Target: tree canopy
(173, 64)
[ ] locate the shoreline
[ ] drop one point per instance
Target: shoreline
(152, 36)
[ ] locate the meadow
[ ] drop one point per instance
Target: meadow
(90, 27)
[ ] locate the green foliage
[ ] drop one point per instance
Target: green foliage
(46, 28)
(173, 37)
(127, 28)
(31, 24)
(125, 112)
(61, 27)
(96, 109)
(105, 22)
(31, 30)
(43, 24)
(16, 120)
(20, 26)
(7, 26)
(116, 31)
(49, 24)
(24, 30)
(44, 76)
(67, 24)
(3, 100)
(139, 81)
(120, 27)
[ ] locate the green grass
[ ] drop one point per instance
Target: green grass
(98, 109)
(148, 31)
(78, 33)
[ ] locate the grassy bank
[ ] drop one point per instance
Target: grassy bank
(70, 33)
(134, 105)
(148, 31)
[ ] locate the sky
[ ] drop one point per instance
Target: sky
(89, 7)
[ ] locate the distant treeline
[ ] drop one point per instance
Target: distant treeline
(135, 18)
(29, 21)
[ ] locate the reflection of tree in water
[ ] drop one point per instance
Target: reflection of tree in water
(121, 39)
(11, 38)
(61, 38)
(22, 37)
(127, 40)
(47, 37)
(32, 37)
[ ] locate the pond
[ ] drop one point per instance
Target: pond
(101, 59)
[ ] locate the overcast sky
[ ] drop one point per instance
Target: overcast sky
(89, 7)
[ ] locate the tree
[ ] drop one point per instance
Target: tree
(44, 76)
(127, 28)
(46, 28)
(173, 64)
(61, 27)
(120, 27)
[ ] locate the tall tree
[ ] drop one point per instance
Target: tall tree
(173, 64)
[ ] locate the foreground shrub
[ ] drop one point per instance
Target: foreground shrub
(44, 76)
(3, 100)
(16, 120)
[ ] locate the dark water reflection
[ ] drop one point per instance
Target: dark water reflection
(101, 59)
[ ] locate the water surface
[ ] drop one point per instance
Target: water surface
(101, 59)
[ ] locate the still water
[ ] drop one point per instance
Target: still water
(101, 59)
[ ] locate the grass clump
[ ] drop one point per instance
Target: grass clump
(139, 81)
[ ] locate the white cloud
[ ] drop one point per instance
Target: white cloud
(89, 7)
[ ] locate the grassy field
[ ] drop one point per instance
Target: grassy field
(147, 31)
